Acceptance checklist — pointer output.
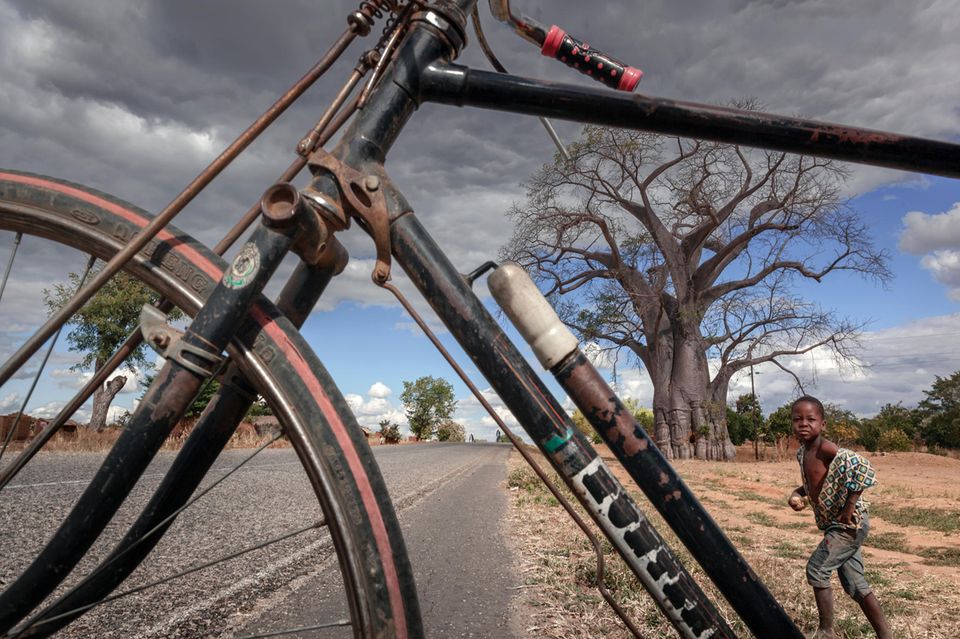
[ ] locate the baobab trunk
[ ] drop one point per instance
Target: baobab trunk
(102, 398)
(696, 424)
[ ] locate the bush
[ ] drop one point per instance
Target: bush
(390, 432)
(894, 440)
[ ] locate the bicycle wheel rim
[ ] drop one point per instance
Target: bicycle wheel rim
(328, 442)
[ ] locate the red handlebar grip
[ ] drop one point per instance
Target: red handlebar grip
(578, 55)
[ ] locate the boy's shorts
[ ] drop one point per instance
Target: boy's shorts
(840, 551)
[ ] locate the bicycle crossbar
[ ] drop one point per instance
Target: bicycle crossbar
(462, 86)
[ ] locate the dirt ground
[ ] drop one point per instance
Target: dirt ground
(912, 556)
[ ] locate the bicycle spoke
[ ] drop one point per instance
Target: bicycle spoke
(13, 254)
(290, 631)
(153, 584)
(158, 527)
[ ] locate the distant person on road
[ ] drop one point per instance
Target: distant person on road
(833, 480)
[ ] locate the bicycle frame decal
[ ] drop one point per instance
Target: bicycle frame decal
(244, 267)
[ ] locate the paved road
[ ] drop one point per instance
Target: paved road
(449, 496)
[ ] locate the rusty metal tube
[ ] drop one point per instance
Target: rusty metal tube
(164, 217)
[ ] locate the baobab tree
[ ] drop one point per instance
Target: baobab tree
(686, 254)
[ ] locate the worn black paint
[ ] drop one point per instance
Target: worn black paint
(461, 86)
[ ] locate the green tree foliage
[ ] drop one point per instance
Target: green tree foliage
(642, 415)
(843, 427)
(746, 420)
(428, 402)
(892, 417)
(894, 440)
(451, 431)
(97, 329)
(105, 321)
(580, 421)
(206, 393)
(941, 412)
(736, 427)
(390, 432)
(779, 424)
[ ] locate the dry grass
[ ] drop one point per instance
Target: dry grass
(912, 564)
(87, 440)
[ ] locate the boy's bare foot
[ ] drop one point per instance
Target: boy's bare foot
(821, 633)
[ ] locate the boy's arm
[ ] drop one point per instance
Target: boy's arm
(849, 508)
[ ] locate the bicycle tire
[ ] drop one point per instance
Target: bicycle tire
(330, 445)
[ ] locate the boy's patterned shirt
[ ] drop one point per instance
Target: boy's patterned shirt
(847, 472)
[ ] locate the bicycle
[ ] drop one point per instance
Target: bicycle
(267, 357)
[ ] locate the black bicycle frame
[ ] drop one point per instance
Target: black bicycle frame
(421, 72)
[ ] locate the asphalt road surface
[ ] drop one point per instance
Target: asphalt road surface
(450, 499)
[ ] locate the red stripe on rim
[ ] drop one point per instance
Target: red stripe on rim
(208, 267)
(299, 364)
(353, 460)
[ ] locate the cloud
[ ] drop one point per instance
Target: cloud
(937, 238)
(379, 390)
(945, 266)
(924, 233)
(10, 403)
(897, 365)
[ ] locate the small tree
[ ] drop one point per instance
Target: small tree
(451, 431)
(891, 417)
(208, 390)
(584, 426)
(749, 421)
(941, 412)
(779, 427)
(428, 402)
(737, 427)
(894, 440)
(390, 432)
(97, 329)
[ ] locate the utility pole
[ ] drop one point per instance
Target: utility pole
(756, 417)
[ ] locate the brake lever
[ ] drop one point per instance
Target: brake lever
(576, 54)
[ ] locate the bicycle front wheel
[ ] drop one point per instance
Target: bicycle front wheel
(380, 596)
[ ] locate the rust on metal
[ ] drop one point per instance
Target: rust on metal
(280, 205)
(364, 194)
(606, 411)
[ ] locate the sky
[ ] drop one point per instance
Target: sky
(135, 98)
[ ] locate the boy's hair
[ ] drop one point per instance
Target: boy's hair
(811, 399)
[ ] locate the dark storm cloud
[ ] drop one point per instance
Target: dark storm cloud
(136, 97)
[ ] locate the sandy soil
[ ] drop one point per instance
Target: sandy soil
(912, 556)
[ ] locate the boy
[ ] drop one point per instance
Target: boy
(833, 479)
